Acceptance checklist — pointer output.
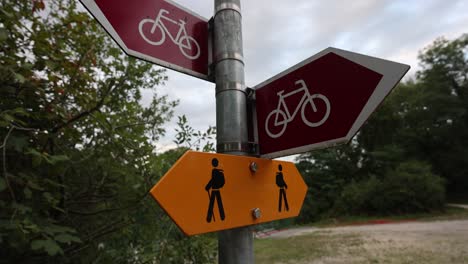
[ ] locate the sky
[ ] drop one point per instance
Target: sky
(278, 34)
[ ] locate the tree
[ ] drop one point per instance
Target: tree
(409, 188)
(444, 88)
(326, 173)
(76, 144)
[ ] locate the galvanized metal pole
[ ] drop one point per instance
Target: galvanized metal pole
(235, 245)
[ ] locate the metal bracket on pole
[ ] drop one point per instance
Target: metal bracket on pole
(248, 147)
(252, 121)
(230, 86)
(250, 95)
(229, 55)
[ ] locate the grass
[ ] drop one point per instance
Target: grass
(302, 248)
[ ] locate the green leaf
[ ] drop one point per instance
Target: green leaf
(7, 14)
(19, 143)
(59, 209)
(7, 117)
(3, 34)
(20, 111)
(36, 157)
(20, 78)
(54, 183)
(4, 123)
(36, 161)
(67, 238)
(55, 229)
(34, 152)
(57, 158)
(27, 66)
(49, 198)
(35, 186)
(50, 246)
(2, 185)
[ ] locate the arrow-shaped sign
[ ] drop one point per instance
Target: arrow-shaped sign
(322, 101)
(159, 31)
(205, 192)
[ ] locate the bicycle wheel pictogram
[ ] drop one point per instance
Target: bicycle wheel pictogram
(323, 101)
(276, 123)
(189, 47)
(154, 35)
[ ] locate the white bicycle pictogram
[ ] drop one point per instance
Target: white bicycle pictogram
(187, 45)
(283, 117)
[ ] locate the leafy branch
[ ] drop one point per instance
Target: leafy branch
(187, 136)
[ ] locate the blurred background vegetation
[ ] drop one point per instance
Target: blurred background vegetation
(77, 155)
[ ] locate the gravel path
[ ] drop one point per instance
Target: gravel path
(454, 228)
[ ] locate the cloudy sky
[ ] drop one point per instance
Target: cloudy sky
(278, 34)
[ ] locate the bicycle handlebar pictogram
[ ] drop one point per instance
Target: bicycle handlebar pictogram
(282, 115)
(187, 45)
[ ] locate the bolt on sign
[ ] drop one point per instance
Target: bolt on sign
(159, 31)
(206, 192)
(322, 101)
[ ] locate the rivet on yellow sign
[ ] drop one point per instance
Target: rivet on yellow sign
(205, 192)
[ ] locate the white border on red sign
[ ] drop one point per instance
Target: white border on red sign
(94, 9)
(392, 72)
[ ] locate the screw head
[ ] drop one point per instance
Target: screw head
(256, 213)
(253, 167)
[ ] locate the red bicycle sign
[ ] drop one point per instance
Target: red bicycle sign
(159, 31)
(282, 116)
(345, 88)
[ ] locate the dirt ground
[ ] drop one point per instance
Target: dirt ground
(410, 242)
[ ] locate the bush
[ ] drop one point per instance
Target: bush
(409, 188)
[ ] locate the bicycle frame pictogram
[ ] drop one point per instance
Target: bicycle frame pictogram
(186, 43)
(282, 115)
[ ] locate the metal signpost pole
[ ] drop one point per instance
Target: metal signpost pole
(235, 245)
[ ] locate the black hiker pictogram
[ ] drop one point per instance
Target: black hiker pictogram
(282, 191)
(216, 182)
